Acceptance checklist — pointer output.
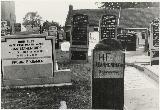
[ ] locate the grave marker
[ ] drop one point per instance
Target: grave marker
(154, 42)
(30, 60)
(54, 32)
(108, 27)
(79, 38)
(108, 75)
(79, 33)
(128, 41)
(93, 40)
(78, 54)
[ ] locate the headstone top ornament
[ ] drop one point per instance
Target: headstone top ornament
(109, 45)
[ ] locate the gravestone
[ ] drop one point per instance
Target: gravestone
(108, 27)
(54, 32)
(30, 60)
(93, 40)
(154, 42)
(79, 32)
(128, 41)
(79, 54)
(79, 38)
(108, 75)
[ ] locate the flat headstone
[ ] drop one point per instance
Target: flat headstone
(27, 56)
(30, 60)
(78, 55)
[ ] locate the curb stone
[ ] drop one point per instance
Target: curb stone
(149, 73)
(136, 66)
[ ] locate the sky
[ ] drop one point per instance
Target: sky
(55, 10)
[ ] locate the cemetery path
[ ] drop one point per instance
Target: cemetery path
(140, 92)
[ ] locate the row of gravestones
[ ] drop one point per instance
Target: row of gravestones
(108, 63)
(108, 60)
(108, 29)
(30, 60)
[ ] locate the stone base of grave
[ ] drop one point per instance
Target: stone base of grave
(61, 77)
(78, 55)
(155, 62)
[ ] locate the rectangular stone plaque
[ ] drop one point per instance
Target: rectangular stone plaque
(108, 26)
(128, 41)
(54, 32)
(154, 55)
(78, 54)
(154, 42)
(155, 34)
(79, 31)
(108, 64)
(27, 57)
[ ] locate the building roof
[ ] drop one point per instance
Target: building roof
(130, 18)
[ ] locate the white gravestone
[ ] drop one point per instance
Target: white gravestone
(93, 40)
(65, 46)
(30, 60)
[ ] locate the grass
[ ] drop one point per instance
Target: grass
(77, 96)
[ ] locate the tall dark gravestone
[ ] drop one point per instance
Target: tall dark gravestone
(108, 27)
(53, 31)
(154, 42)
(128, 41)
(108, 65)
(79, 38)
